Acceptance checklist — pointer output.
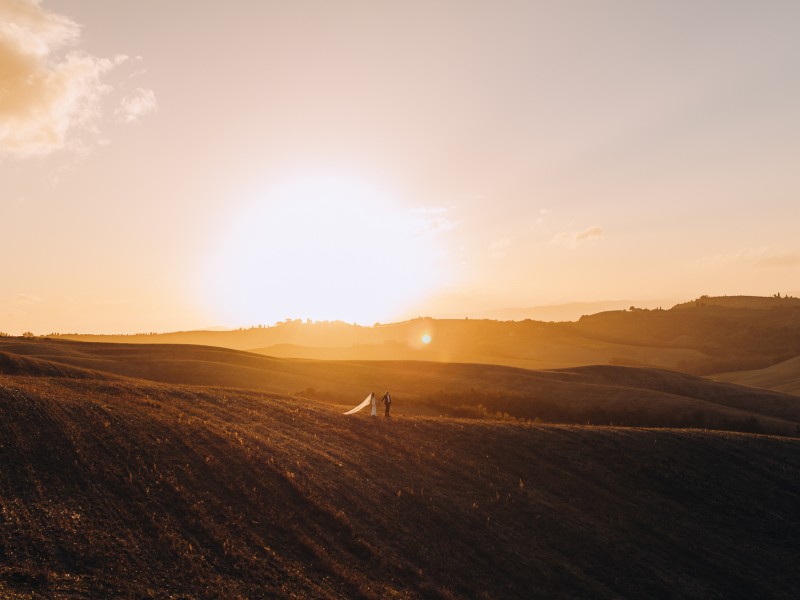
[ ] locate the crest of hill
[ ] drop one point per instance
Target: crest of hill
(783, 377)
(731, 333)
(749, 302)
(600, 394)
(139, 489)
(571, 311)
(13, 364)
(702, 337)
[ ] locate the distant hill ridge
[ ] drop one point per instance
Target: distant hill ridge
(752, 302)
(570, 311)
(705, 336)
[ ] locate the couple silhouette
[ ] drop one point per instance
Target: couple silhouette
(387, 402)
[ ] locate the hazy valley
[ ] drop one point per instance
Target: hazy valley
(706, 336)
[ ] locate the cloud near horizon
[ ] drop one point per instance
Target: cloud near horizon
(45, 91)
(432, 219)
(26, 299)
(573, 238)
(756, 257)
(429, 210)
(785, 260)
(499, 248)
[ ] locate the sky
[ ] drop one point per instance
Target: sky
(187, 164)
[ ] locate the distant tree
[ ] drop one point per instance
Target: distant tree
(28, 334)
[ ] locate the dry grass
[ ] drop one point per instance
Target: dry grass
(599, 395)
(783, 377)
(122, 488)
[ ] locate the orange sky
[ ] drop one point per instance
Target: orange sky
(176, 165)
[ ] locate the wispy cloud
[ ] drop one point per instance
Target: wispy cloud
(134, 107)
(47, 88)
(499, 248)
(441, 225)
(429, 210)
(785, 260)
(756, 257)
(432, 219)
(573, 238)
(27, 299)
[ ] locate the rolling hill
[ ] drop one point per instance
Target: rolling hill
(571, 311)
(113, 486)
(783, 377)
(603, 395)
(706, 336)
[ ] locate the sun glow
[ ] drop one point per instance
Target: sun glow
(325, 248)
(426, 339)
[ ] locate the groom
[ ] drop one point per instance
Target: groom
(387, 402)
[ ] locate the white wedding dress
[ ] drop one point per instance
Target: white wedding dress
(362, 405)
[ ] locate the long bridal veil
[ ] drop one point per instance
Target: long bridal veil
(360, 406)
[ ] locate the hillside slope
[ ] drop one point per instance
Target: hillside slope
(123, 488)
(597, 395)
(783, 377)
(704, 336)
